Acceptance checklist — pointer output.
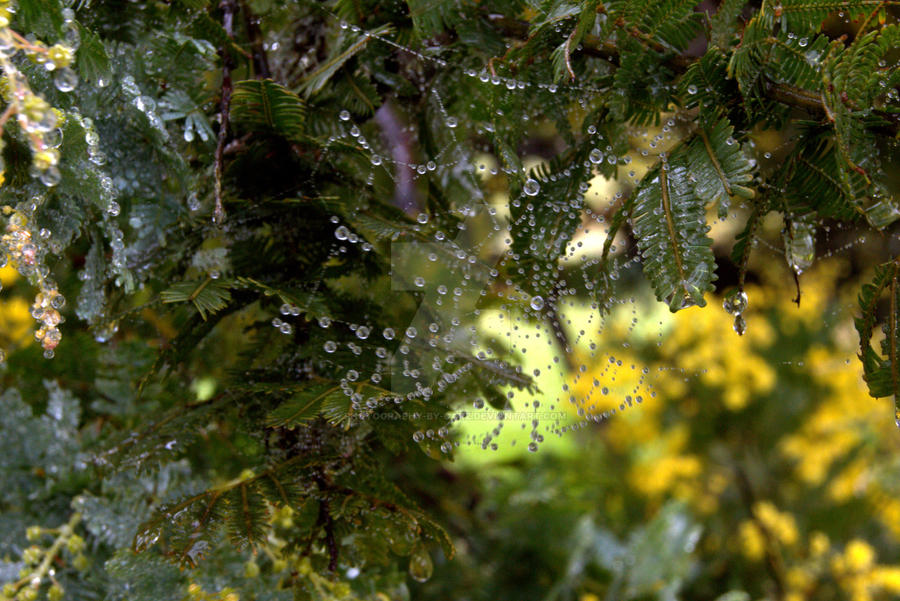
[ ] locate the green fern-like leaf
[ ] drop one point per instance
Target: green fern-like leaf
(348, 47)
(669, 222)
(208, 296)
(305, 404)
(717, 163)
(186, 530)
(881, 371)
(267, 106)
(806, 15)
(92, 60)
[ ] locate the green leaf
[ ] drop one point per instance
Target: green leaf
(267, 106)
(717, 163)
(346, 49)
(208, 296)
(304, 405)
(743, 245)
(41, 17)
(428, 16)
(91, 60)
(804, 15)
(669, 222)
(881, 370)
(186, 530)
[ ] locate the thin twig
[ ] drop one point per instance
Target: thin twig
(325, 520)
(229, 7)
(773, 561)
(784, 93)
(260, 60)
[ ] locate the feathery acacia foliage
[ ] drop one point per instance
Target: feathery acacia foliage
(278, 218)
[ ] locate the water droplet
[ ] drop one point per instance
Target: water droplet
(330, 346)
(341, 233)
(422, 218)
(50, 176)
(692, 89)
(740, 324)
(533, 447)
(596, 156)
(531, 187)
(344, 115)
(537, 303)
(800, 246)
(419, 281)
(65, 80)
(736, 302)
(376, 160)
(451, 122)
(420, 564)
(388, 333)
(362, 332)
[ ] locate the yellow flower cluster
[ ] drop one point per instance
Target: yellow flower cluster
(780, 527)
(39, 562)
(834, 438)
(739, 373)
(855, 570)
(196, 593)
(35, 116)
(20, 250)
(860, 577)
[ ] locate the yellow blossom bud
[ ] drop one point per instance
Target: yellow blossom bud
(251, 569)
(859, 555)
(34, 107)
(28, 594)
(46, 158)
(60, 55)
(55, 593)
(32, 555)
(80, 563)
(818, 544)
(341, 589)
(75, 544)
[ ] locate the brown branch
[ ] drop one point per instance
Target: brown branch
(229, 7)
(326, 521)
(258, 52)
(608, 51)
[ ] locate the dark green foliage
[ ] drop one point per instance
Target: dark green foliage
(267, 106)
(277, 376)
(882, 370)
